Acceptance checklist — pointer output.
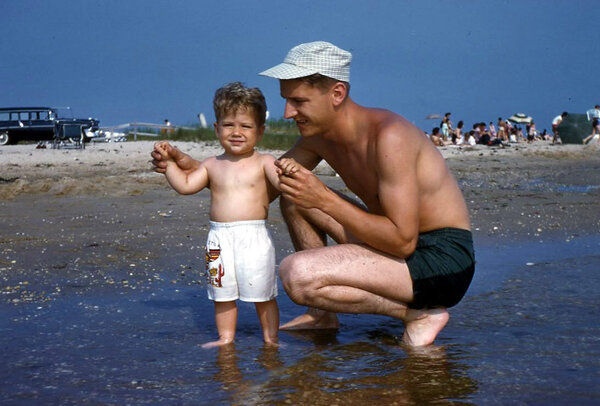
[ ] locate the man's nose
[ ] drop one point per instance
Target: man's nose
(289, 111)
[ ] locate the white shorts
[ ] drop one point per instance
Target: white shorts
(240, 262)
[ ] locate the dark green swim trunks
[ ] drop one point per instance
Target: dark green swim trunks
(441, 267)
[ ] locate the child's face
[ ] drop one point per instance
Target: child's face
(238, 132)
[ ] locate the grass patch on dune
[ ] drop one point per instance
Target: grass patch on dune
(279, 135)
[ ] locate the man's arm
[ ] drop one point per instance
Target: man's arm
(395, 230)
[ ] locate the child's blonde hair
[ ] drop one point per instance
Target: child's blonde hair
(235, 97)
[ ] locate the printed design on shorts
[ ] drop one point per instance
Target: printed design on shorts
(214, 269)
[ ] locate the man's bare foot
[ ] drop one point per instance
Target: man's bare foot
(218, 343)
(313, 319)
(423, 326)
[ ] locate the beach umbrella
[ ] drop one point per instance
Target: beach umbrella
(520, 118)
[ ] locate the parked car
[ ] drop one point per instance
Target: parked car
(38, 124)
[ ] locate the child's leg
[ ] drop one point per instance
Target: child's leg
(226, 320)
(268, 314)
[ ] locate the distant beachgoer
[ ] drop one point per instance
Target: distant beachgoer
(458, 136)
(531, 133)
(240, 253)
(513, 136)
(520, 135)
(502, 130)
(406, 251)
(595, 113)
(595, 131)
(555, 123)
(436, 137)
(492, 128)
(484, 135)
(471, 138)
(446, 126)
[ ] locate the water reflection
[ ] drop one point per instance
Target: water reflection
(351, 374)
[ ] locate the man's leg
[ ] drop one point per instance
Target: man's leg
(353, 278)
(309, 229)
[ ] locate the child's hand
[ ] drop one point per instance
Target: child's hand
(287, 166)
(164, 149)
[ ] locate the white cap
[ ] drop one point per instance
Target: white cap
(313, 57)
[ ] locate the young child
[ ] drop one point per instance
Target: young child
(240, 255)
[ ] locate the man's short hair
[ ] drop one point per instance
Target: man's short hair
(323, 82)
(235, 97)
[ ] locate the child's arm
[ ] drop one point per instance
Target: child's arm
(271, 170)
(183, 182)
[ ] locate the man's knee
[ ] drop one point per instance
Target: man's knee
(295, 275)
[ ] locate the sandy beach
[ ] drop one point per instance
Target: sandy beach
(518, 190)
(102, 300)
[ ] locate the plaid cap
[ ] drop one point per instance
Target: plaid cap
(313, 57)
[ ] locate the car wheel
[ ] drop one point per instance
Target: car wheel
(4, 138)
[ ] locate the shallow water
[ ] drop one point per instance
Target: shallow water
(526, 333)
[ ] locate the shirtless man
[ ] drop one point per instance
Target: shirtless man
(407, 252)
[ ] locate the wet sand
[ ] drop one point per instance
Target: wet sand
(102, 301)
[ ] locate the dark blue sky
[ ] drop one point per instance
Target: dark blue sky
(123, 61)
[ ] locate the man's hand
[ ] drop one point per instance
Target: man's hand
(301, 186)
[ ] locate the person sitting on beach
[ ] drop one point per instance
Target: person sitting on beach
(595, 131)
(458, 137)
(436, 137)
(502, 130)
(492, 129)
(240, 254)
(471, 138)
(406, 251)
(531, 133)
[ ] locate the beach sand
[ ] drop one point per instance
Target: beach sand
(102, 298)
(516, 190)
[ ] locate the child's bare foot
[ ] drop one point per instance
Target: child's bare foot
(423, 326)
(218, 343)
(313, 319)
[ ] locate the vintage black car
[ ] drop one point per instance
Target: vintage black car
(38, 124)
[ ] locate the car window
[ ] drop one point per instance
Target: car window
(4, 116)
(24, 116)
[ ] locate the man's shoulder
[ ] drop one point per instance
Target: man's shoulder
(393, 125)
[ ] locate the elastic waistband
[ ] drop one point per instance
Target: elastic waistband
(243, 223)
(449, 231)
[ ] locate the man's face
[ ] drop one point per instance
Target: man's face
(238, 132)
(308, 105)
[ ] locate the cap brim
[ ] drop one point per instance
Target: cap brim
(287, 71)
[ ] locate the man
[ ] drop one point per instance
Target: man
(407, 252)
(555, 123)
(593, 113)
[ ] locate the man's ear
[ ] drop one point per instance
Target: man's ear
(338, 93)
